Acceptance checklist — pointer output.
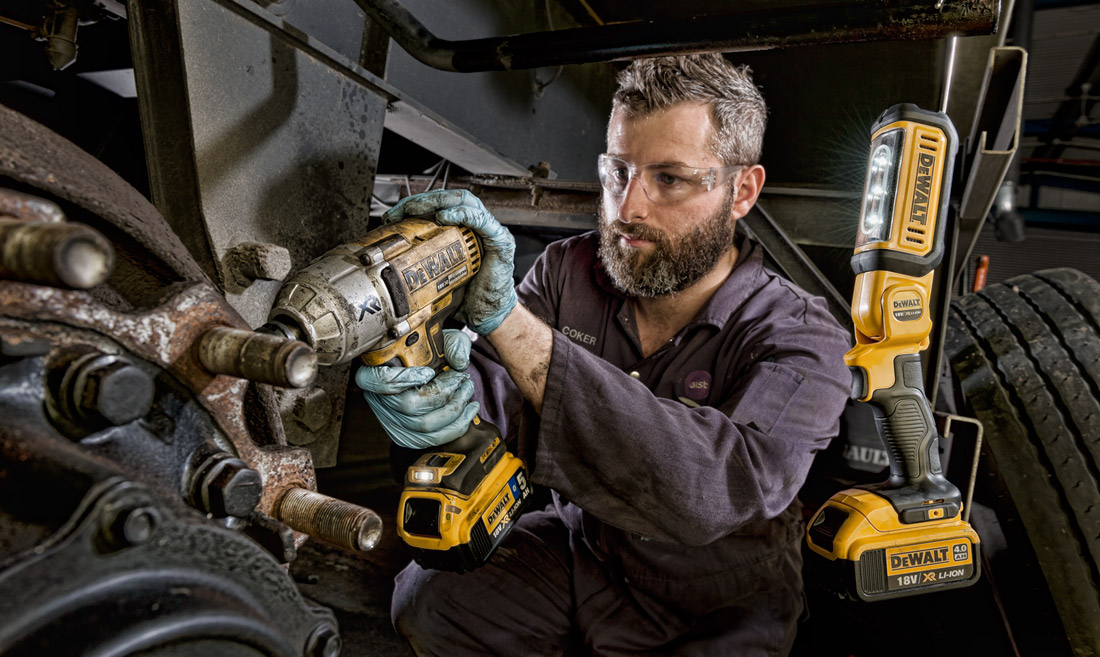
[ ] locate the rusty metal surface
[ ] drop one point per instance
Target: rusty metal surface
(36, 156)
(245, 153)
(155, 305)
(28, 208)
(165, 336)
(514, 200)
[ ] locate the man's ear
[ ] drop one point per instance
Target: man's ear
(752, 181)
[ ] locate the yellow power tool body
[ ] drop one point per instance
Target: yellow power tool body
(384, 298)
(906, 535)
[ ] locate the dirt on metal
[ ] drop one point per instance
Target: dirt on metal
(166, 336)
(33, 155)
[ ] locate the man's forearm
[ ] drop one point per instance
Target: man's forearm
(524, 344)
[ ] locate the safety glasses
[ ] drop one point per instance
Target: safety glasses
(664, 184)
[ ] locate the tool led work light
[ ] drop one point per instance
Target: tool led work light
(422, 475)
(906, 535)
(880, 188)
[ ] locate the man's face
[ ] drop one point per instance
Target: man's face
(652, 249)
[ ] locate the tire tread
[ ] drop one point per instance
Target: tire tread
(1026, 354)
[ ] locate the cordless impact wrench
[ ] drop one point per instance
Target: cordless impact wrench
(384, 298)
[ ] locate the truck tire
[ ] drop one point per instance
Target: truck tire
(1026, 358)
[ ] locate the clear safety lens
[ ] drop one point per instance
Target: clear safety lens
(881, 188)
(662, 183)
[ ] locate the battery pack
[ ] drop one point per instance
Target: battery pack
(873, 556)
(457, 507)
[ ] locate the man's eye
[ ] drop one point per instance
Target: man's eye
(666, 178)
(622, 173)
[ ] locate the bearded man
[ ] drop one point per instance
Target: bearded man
(672, 393)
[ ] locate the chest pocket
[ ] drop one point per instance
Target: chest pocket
(769, 391)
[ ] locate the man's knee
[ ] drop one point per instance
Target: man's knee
(522, 594)
(416, 596)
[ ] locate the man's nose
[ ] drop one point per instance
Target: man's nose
(635, 202)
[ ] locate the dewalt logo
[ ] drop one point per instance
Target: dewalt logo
(434, 266)
(500, 507)
(919, 558)
(907, 310)
(922, 191)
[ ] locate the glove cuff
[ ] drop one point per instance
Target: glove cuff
(493, 321)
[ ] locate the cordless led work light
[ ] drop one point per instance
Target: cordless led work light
(906, 535)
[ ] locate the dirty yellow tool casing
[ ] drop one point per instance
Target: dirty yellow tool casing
(384, 298)
(460, 499)
(385, 294)
(429, 265)
(906, 535)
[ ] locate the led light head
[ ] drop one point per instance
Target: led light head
(876, 218)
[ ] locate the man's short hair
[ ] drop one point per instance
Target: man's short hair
(736, 106)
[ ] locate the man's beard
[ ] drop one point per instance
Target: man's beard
(675, 264)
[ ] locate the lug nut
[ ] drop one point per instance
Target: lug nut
(312, 409)
(324, 642)
(137, 526)
(131, 526)
(335, 521)
(258, 357)
(114, 390)
(104, 389)
(225, 486)
(54, 253)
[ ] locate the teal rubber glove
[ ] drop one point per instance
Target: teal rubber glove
(491, 294)
(417, 408)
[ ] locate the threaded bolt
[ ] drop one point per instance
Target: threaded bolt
(335, 521)
(258, 357)
(54, 253)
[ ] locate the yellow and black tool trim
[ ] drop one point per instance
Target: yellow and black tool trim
(905, 233)
(904, 420)
(873, 556)
(905, 535)
(460, 502)
(428, 268)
